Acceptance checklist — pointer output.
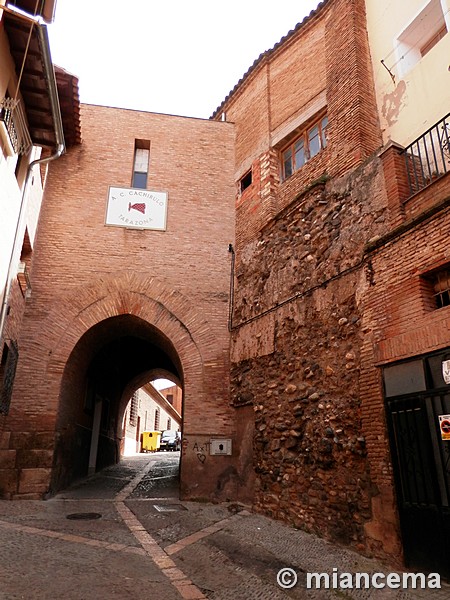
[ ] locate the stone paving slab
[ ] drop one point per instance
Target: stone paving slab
(169, 527)
(134, 551)
(37, 568)
(52, 514)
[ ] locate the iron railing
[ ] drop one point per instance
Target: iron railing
(8, 372)
(13, 117)
(428, 157)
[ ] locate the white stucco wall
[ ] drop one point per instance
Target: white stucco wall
(9, 209)
(10, 190)
(418, 96)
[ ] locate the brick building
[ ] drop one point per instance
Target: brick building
(407, 342)
(116, 304)
(341, 271)
(147, 410)
(316, 172)
(174, 395)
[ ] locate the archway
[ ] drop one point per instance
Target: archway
(128, 328)
(110, 361)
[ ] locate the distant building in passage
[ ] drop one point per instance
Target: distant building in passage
(174, 395)
(147, 410)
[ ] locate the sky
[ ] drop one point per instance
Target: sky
(172, 56)
(162, 384)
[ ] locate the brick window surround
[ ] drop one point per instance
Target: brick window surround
(304, 147)
(441, 287)
(437, 287)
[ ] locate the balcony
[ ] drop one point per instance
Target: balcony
(13, 126)
(428, 157)
(43, 8)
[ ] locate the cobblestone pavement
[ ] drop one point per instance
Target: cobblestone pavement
(124, 534)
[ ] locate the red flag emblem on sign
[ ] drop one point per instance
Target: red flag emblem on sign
(139, 207)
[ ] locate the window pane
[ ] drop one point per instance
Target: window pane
(324, 131)
(404, 378)
(246, 181)
(141, 160)
(441, 284)
(287, 163)
(299, 148)
(139, 180)
(314, 143)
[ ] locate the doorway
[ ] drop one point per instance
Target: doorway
(417, 398)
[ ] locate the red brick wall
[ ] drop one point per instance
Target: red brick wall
(324, 62)
(177, 397)
(299, 322)
(85, 272)
(399, 322)
(400, 305)
(354, 125)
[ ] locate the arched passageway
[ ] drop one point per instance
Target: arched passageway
(93, 348)
(110, 361)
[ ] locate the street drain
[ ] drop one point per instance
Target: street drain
(84, 516)
(169, 507)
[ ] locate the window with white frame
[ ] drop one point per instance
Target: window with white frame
(427, 28)
(310, 142)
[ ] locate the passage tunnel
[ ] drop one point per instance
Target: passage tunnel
(110, 361)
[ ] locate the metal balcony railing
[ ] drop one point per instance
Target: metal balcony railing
(13, 117)
(428, 157)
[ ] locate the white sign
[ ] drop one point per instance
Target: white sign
(136, 208)
(446, 370)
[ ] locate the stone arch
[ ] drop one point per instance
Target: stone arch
(140, 381)
(148, 298)
(145, 297)
(49, 342)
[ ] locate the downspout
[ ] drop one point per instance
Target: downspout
(60, 148)
(231, 304)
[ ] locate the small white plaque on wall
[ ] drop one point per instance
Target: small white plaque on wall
(220, 446)
(136, 208)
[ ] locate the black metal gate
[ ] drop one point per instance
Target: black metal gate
(416, 396)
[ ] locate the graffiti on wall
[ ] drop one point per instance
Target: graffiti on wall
(201, 449)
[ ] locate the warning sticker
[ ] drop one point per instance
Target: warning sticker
(444, 424)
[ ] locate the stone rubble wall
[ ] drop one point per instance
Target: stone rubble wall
(297, 336)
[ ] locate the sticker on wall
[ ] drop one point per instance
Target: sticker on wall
(446, 370)
(136, 208)
(444, 425)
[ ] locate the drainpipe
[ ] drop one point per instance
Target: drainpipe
(231, 305)
(59, 149)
